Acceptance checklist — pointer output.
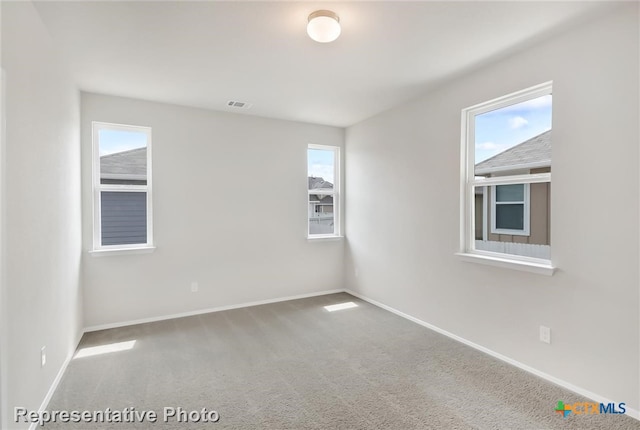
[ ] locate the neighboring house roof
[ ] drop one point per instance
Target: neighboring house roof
(532, 153)
(317, 183)
(130, 164)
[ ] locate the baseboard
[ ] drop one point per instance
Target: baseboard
(578, 390)
(208, 310)
(564, 384)
(63, 368)
(53, 387)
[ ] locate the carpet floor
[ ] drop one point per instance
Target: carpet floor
(294, 365)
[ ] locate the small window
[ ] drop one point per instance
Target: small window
(323, 167)
(510, 209)
(121, 187)
(506, 154)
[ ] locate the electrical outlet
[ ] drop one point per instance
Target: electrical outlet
(194, 287)
(545, 334)
(43, 356)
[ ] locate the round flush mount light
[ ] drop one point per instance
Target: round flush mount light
(323, 26)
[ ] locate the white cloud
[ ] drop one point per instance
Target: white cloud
(517, 122)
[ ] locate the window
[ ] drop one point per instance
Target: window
(121, 187)
(510, 209)
(506, 180)
(323, 170)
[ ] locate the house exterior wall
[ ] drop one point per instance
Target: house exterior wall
(539, 231)
(124, 217)
(478, 216)
(539, 216)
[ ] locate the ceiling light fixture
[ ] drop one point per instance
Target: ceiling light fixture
(323, 26)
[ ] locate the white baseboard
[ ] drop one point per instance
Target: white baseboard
(63, 368)
(634, 413)
(53, 387)
(207, 310)
(578, 390)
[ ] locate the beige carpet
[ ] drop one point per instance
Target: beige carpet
(294, 365)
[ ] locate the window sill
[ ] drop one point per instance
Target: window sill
(122, 251)
(324, 238)
(524, 266)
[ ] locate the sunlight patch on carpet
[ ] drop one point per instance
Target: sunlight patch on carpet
(341, 306)
(105, 349)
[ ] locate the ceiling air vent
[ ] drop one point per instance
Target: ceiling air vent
(238, 105)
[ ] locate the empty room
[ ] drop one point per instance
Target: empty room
(320, 215)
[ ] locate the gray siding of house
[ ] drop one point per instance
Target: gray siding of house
(124, 217)
(539, 210)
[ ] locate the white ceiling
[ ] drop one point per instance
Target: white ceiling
(204, 54)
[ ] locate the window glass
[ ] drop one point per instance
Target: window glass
(124, 217)
(323, 190)
(122, 186)
(500, 130)
(510, 216)
(123, 157)
(510, 193)
(508, 175)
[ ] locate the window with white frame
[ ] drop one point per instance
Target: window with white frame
(510, 209)
(506, 178)
(121, 187)
(323, 185)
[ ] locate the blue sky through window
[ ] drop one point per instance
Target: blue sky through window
(113, 141)
(500, 129)
(320, 164)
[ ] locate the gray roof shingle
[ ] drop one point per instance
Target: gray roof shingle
(533, 152)
(126, 163)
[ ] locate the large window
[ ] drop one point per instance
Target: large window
(506, 180)
(121, 187)
(323, 171)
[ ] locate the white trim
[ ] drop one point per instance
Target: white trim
(325, 237)
(534, 178)
(469, 180)
(134, 249)
(633, 413)
(497, 260)
(322, 191)
(208, 310)
(98, 188)
(54, 385)
(512, 98)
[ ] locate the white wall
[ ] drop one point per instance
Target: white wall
(403, 173)
(230, 212)
(4, 405)
(42, 204)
